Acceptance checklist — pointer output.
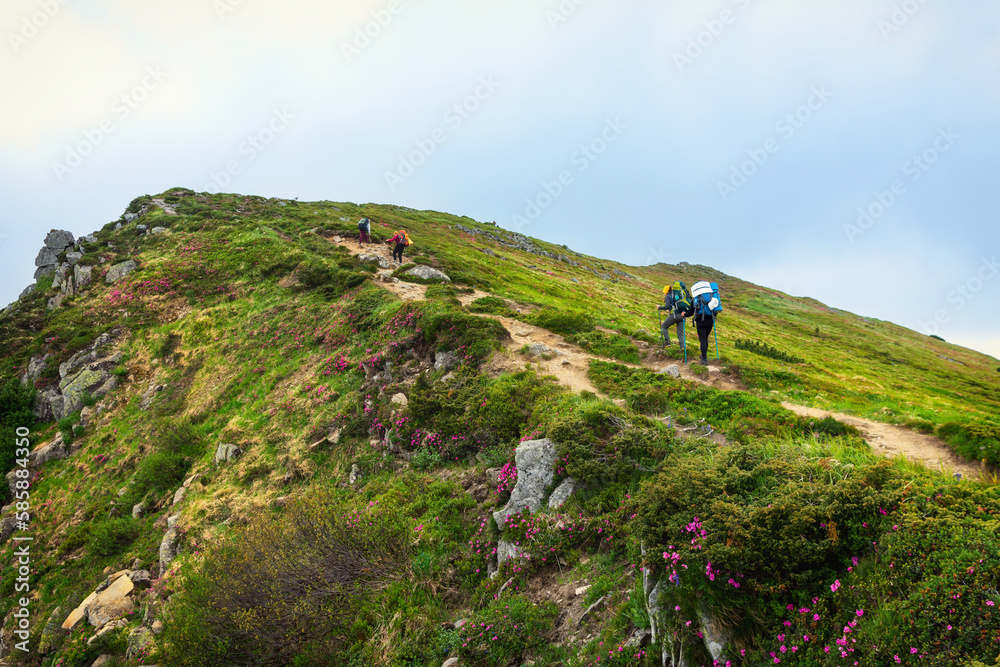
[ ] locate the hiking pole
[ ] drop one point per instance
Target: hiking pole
(715, 330)
(682, 335)
(659, 318)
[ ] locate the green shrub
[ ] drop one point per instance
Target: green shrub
(614, 346)
(16, 411)
(506, 631)
(425, 459)
(977, 441)
(492, 305)
(561, 321)
(66, 428)
(286, 586)
(112, 537)
(765, 350)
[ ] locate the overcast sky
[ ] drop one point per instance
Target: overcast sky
(845, 150)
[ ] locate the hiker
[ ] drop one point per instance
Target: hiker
(401, 240)
(674, 303)
(707, 306)
(365, 230)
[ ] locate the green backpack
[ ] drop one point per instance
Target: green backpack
(683, 302)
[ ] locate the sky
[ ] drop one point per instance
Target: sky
(845, 150)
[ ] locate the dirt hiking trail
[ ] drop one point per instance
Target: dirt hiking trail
(552, 355)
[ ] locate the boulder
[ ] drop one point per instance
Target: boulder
(141, 643)
(507, 551)
(49, 633)
(112, 603)
(445, 361)
(60, 276)
(179, 495)
(157, 230)
(7, 528)
(26, 291)
(673, 370)
(55, 301)
(46, 257)
(35, 367)
(562, 493)
(714, 634)
(119, 271)
(534, 460)
(104, 660)
(169, 546)
(58, 240)
(88, 355)
(88, 381)
(400, 399)
(48, 406)
(226, 452)
(82, 276)
(141, 579)
(73, 257)
(382, 262)
(138, 510)
(43, 271)
(54, 450)
(427, 273)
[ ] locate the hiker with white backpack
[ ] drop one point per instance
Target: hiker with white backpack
(707, 306)
(364, 231)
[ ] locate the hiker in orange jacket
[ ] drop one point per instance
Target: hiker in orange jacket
(401, 241)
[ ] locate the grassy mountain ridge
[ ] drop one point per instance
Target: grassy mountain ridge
(247, 324)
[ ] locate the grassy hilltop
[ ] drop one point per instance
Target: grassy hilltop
(344, 433)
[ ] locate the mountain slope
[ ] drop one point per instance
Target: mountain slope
(254, 396)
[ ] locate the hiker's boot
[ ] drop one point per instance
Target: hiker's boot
(703, 361)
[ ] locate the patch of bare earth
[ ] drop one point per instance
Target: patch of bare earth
(890, 440)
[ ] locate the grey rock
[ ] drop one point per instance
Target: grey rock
(507, 551)
(58, 240)
(129, 217)
(103, 660)
(562, 493)
(534, 460)
(119, 271)
(141, 642)
(355, 473)
(540, 349)
(141, 579)
(7, 528)
(73, 257)
(48, 406)
(169, 548)
(427, 273)
(82, 276)
(43, 271)
(49, 634)
(639, 638)
(450, 662)
(90, 380)
(141, 228)
(400, 399)
(27, 290)
(227, 452)
(46, 257)
(382, 262)
(445, 361)
(60, 275)
(35, 367)
(157, 230)
(714, 634)
(673, 370)
(86, 356)
(594, 608)
(179, 495)
(138, 510)
(54, 450)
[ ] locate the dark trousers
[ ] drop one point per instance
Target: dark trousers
(704, 329)
(397, 252)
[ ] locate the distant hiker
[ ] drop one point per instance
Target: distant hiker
(365, 231)
(677, 302)
(707, 306)
(401, 239)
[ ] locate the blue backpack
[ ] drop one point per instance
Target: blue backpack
(706, 299)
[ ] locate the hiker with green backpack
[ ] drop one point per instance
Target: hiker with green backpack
(677, 302)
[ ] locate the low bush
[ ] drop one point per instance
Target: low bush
(765, 350)
(286, 589)
(562, 322)
(112, 537)
(491, 305)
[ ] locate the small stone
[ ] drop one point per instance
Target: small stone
(355, 473)
(673, 370)
(581, 590)
(400, 399)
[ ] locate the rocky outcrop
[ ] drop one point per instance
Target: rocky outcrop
(56, 243)
(534, 460)
(562, 493)
(226, 452)
(445, 361)
(427, 273)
